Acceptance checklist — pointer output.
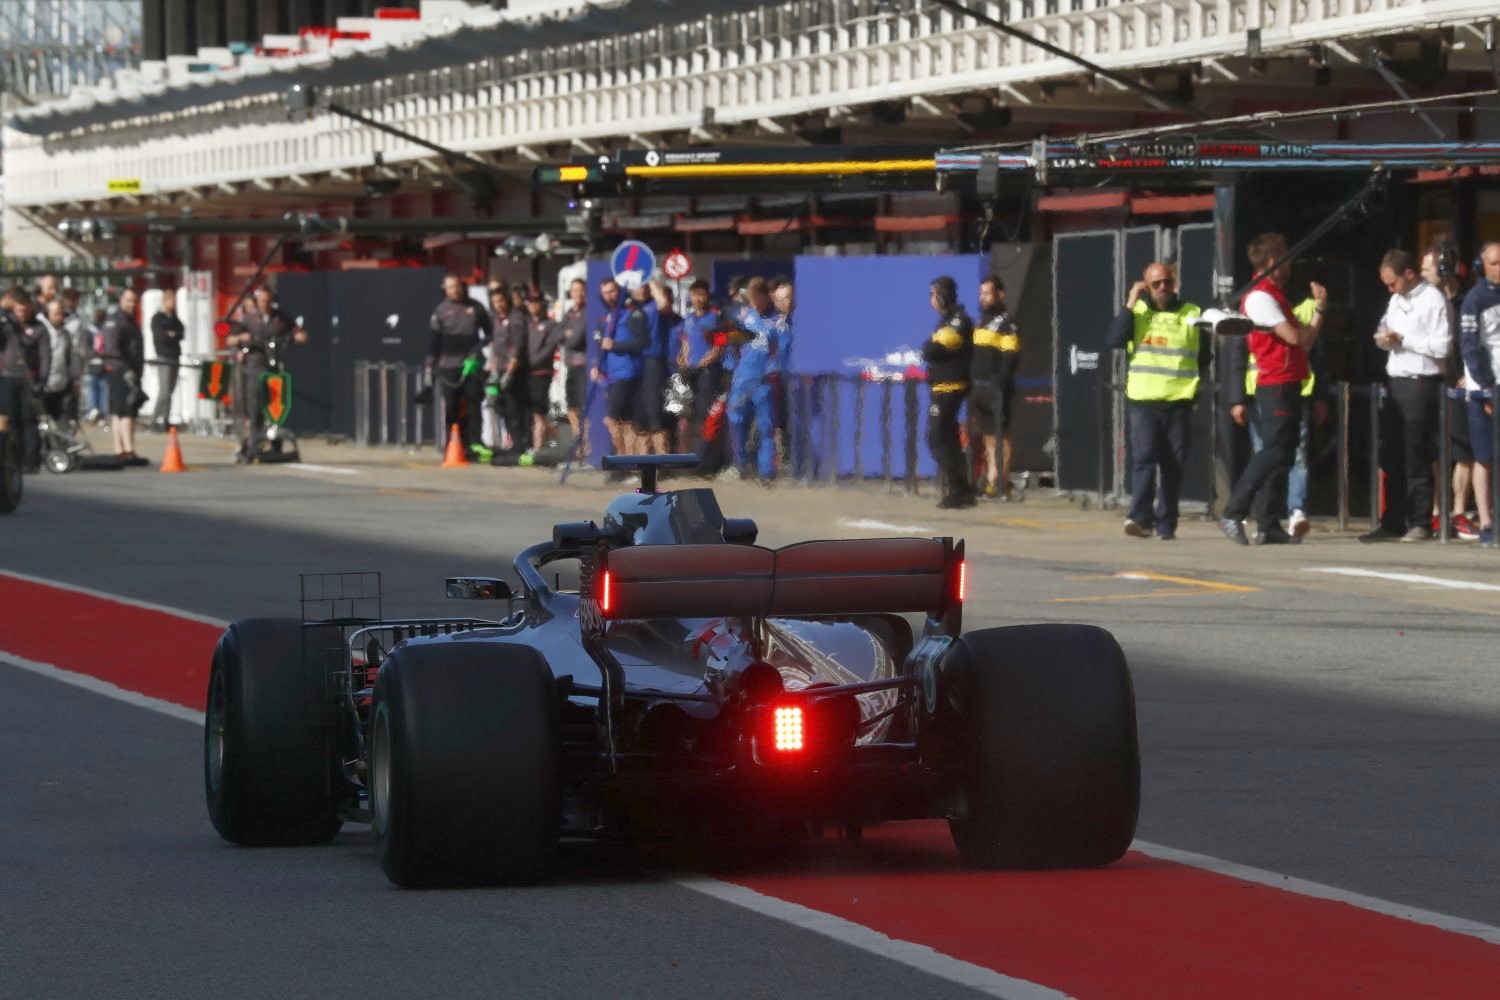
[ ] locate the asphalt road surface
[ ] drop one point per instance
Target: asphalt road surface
(1323, 727)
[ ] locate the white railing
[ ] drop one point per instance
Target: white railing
(807, 56)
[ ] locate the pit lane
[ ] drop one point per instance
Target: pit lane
(1334, 734)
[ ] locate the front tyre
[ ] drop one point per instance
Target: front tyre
(271, 770)
(1050, 757)
(464, 764)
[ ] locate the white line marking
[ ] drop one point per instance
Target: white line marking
(1302, 887)
(147, 605)
(1430, 581)
(870, 524)
(105, 688)
(907, 952)
(918, 956)
(337, 470)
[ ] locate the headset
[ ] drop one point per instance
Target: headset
(946, 290)
(1445, 258)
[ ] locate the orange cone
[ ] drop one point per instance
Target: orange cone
(173, 460)
(454, 457)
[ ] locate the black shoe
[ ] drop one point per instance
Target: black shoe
(1234, 531)
(1166, 536)
(1379, 535)
(956, 501)
(1275, 535)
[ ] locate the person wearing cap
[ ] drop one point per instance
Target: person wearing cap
(949, 355)
(544, 337)
(622, 337)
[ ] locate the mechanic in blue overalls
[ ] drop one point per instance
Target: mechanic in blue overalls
(655, 303)
(752, 393)
(619, 368)
(697, 360)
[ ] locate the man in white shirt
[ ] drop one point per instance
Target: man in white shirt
(1416, 331)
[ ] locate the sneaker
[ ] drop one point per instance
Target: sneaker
(1275, 535)
(1487, 537)
(1464, 528)
(1418, 533)
(1166, 536)
(1136, 530)
(1234, 531)
(991, 491)
(1298, 524)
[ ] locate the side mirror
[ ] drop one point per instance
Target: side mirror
(478, 588)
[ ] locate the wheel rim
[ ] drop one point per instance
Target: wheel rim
(58, 461)
(380, 769)
(215, 734)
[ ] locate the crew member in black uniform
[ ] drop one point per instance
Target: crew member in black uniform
(997, 350)
(264, 328)
(18, 433)
(455, 358)
(949, 354)
(124, 353)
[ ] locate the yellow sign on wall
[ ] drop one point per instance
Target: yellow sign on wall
(125, 185)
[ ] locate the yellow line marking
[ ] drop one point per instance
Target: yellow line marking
(1186, 587)
(1023, 522)
(764, 169)
(1125, 597)
(1223, 588)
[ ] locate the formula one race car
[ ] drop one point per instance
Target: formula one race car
(696, 685)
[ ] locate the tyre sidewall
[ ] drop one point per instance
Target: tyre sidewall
(1050, 752)
(474, 763)
(279, 782)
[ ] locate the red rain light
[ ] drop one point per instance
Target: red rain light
(606, 598)
(789, 736)
(963, 579)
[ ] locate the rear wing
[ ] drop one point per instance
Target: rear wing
(844, 577)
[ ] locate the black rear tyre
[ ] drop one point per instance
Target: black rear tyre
(1051, 760)
(271, 771)
(464, 769)
(11, 472)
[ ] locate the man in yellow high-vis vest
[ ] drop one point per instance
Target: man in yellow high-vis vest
(1167, 355)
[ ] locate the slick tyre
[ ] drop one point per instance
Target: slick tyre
(12, 478)
(464, 764)
(1051, 764)
(271, 770)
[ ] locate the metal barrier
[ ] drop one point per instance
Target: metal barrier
(203, 417)
(386, 410)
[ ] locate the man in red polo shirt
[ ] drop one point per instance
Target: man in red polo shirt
(1279, 344)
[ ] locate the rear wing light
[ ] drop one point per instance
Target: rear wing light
(853, 576)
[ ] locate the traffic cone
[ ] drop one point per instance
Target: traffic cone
(173, 460)
(454, 457)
